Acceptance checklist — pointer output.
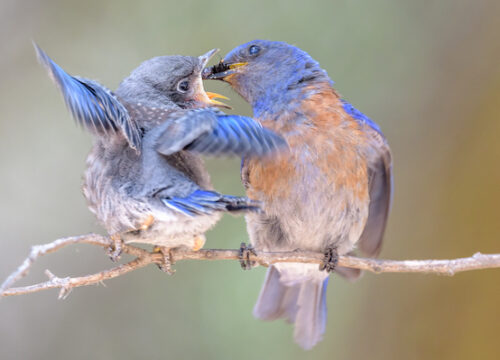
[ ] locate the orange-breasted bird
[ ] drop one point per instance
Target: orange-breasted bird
(331, 192)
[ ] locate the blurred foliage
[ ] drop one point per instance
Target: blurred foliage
(427, 71)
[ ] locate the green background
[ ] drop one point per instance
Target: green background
(427, 71)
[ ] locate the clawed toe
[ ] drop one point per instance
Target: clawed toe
(114, 251)
(167, 262)
(244, 256)
(331, 259)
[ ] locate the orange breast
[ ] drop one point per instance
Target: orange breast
(326, 145)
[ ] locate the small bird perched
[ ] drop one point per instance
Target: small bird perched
(331, 192)
(145, 181)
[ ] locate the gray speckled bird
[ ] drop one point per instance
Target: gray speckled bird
(145, 181)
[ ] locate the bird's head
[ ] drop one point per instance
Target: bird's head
(168, 80)
(263, 72)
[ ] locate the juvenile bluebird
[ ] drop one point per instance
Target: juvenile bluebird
(331, 192)
(145, 181)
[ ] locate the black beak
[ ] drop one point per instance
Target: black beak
(221, 70)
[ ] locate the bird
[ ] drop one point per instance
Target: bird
(145, 180)
(330, 192)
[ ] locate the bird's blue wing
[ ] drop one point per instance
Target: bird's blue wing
(91, 104)
(181, 128)
(210, 133)
(239, 136)
(380, 183)
(204, 202)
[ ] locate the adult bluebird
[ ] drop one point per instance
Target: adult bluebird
(145, 180)
(331, 192)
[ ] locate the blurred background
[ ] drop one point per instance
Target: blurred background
(427, 71)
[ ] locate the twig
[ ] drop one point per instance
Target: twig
(40, 250)
(67, 284)
(443, 267)
(144, 258)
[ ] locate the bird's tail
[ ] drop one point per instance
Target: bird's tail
(302, 303)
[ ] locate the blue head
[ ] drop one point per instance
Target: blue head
(268, 74)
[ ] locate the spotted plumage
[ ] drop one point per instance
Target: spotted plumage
(145, 180)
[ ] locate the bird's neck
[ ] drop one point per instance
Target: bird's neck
(289, 97)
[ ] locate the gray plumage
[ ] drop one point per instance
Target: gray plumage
(145, 181)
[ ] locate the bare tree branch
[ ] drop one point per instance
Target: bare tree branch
(144, 258)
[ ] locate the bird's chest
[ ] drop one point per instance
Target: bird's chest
(316, 190)
(96, 182)
(320, 163)
(105, 187)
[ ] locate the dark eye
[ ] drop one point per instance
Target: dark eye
(183, 86)
(254, 49)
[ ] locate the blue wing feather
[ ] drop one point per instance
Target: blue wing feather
(207, 132)
(203, 202)
(91, 104)
(237, 135)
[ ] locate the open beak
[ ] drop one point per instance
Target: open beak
(212, 96)
(208, 98)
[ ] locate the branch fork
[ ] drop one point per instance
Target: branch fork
(143, 258)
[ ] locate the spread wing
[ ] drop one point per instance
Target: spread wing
(91, 104)
(212, 133)
(380, 183)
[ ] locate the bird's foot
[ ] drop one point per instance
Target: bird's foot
(199, 241)
(331, 259)
(166, 264)
(115, 249)
(244, 256)
(148, 222)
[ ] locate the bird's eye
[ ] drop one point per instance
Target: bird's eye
(183, 86)
(254, 49)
